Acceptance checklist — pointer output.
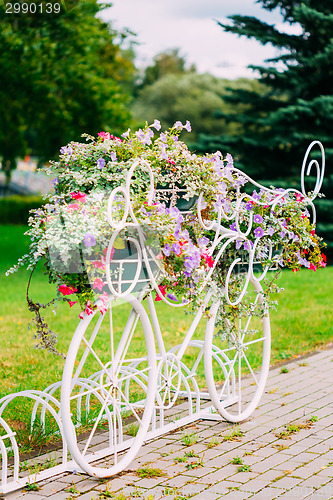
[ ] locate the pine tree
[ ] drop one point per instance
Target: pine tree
(295, 104)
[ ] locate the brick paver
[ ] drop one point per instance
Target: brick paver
(298, 467)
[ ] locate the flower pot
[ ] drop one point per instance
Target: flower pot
(182, 204)
(124, 266)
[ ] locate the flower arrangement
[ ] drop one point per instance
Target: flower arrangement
(192, 250)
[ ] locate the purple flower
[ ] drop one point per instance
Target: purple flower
(126, 134)
(238, 244)
(55, 182)
(270, 231)
(166, 250)
(233, 227)
(283, 234)
(176, 248)
(164, 156)
(156, 124)
(257, 219)
(178, 124)
(241, 181)
(185, 301)
(255, 195)
(100, 163)
(229, 159)
(172, 297)
(66, 151)
(163, 137)
(113, 156)
(247, 245)
(187, 126)
(248, 206)
(89, 240)
(259, 232)
(203, 242)
(140, 134)
(177, 232)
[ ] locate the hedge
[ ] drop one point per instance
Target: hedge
(15, 209)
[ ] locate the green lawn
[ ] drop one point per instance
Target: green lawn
(302, 323)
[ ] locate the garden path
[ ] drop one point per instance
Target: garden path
(285, 450)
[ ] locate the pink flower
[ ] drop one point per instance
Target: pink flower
(313, 267)
(88, 310)
(67, 290)
(103, 306)
(104, 135)
(313, 232)
(162, 289)
(299, 197)
(73, 206)
(209, 260)
(79, 196)
(98, 264)
(71, 303)
(98, 283)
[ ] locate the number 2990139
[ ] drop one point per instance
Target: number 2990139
(32, 8)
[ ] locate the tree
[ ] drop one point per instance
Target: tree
(188, 96)
(297, 105)
(61, 75)
(165, 63)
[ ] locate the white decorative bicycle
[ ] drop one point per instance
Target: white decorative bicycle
(118, 390)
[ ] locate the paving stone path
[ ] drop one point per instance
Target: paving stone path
(284, 451)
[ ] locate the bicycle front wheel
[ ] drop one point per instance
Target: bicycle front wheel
(108, 388)
(236, 367)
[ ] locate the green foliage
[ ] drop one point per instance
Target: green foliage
(295, 104)
(189, 438)
(32, 487)
(60, 75)
(190, 96)
(165, 63)
(15, 209)
(149, 472)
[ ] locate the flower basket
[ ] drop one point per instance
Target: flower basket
(183, 223)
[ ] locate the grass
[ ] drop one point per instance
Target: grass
(149, 472)
(189, 438)
(295, 428)
(235, 435)
(302, 323)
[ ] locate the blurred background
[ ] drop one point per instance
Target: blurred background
(254, 78)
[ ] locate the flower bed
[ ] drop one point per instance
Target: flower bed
(126, 189)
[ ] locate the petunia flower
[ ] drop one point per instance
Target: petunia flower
(203, 242)
(67, 290)
(89, 240)
(187, 126)
(78, 196)
(176, 248)
(162, 289)
(172, 297)
(100, 163)
(156, 124)
(113, 156)
(126, 134)
(98, 283)
(259, 232)
(166, 250)
(257, 219)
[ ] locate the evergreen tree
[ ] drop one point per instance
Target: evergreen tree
(297, 103)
